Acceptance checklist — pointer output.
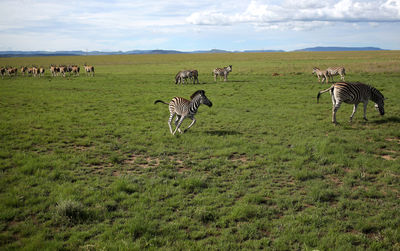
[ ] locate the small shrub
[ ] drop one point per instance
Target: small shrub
(71, 210)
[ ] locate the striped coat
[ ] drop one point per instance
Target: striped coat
(184, 108)
(354, 93)
(333, 71)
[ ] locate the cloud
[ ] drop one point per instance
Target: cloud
(293, 13)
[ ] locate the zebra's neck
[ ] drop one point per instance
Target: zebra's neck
(376, 95)
(194, 105)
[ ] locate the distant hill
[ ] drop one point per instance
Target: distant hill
(319, 48)
(90, 53)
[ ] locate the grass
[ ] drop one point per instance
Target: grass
(89, 163)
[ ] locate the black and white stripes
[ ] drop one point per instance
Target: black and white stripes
(184, 108)
(333, 71)
(354, 93)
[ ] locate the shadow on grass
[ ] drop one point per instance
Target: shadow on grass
(223, 132)
(391, 119)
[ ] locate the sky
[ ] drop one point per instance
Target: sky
(123, 25)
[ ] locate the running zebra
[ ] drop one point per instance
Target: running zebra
(184, 108)
(354, 93)
(223, 72)
(333, 71)
(182, 75)
(322, 75)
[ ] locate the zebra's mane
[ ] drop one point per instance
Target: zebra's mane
(376, 95)
(196, 93)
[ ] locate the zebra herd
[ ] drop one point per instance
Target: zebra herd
(183, 75)
(326, 75)
(350, 93)
(347, 92)
(55, 70)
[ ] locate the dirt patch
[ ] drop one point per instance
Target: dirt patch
(82, 148)
(387, 157)
(142, 161)
(393, 140)
(238, 157)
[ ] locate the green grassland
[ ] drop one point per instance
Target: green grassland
(88, 163)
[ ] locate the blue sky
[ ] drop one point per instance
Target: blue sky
(197, 25)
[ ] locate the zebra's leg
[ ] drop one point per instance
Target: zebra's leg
(335, 107)
(170, 121)
(354, 111)
(191, 124)
(179, 124)
(365, 110)
(334, 110)
(178, 117)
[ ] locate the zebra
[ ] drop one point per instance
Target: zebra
(333, 71)
(182, 75)
(223, 72)
(184, 108)
(195, 75)
(354, 93)
(321, 74)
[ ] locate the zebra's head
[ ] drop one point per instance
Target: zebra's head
(380, 107)
(201, 94)
(379, 100)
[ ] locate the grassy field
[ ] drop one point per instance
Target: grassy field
(88, 163)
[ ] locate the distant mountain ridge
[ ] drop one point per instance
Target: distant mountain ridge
(159, 51)
(320, 48)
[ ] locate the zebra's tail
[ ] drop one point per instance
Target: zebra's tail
(160, 101)
(323, 91)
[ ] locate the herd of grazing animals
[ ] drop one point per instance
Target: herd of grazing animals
(347, 92)
(55, 70)
(350, 93)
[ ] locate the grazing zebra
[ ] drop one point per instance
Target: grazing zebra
(333, 71)
(182, 75)
(184, 108)
(195, 75)
(89, 69)
(223, 72)
(322, 75)
(354, 93)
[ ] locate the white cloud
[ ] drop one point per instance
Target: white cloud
(182, 24)
(293, 12)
